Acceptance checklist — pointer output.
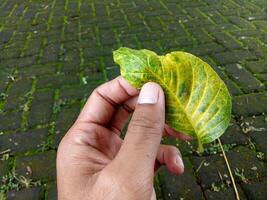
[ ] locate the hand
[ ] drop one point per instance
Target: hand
(94, 163)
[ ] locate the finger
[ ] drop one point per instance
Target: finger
(172, 158)
(168, 131)
(144, 133)
(121, 115)
(102, 103)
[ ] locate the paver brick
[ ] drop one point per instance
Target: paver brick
(64, 120)
(209, 172)
(36, 166)
(10, 120)
(242, 158)
(257, 67)
(243, 78)
(233, 57)
(234, 135)
(37, 70)
(188, 187)
(41, 109)
(15, 142)
(256, 190)
(77, 91)
(17, 94)
(226, 40)
(256, 128)
(26, 194)
(56, 81)
(225, 193)
(250, 104)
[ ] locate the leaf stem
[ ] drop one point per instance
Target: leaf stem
(200, 148)
(229, 170)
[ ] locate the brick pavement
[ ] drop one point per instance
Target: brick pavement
(54, 53)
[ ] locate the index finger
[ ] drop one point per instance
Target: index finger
(102, 103)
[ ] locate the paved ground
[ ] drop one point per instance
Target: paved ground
(54, 53)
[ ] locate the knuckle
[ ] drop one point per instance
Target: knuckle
(146, 123)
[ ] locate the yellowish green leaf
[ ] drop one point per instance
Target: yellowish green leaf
(197, 100)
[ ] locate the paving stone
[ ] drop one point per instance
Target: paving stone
(233, 57)
(243, 78)
(242, 158)
(201, 36)
(10, 120)
(256, 128)
(232, 87)
(255, 191)
(36, 166)
(93, 73)
(234, 135)
(225, 193)
(262, 77)
(255, 46)
(251, 104)
(257, 66)
(17, 94)
(5, 35)
(77, 91)
(26, 194)
(51, 191)
(56, 81)
(65, 119)
(209, 172)
(177, 187)
(113, 72)
(241, 22)
(34, 47)
(15, 142)
(37, 70)
(206, 49)
(41, 109)
(227, 41)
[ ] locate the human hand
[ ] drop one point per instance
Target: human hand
(93, 162)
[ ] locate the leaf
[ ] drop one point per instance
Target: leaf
(197, 100)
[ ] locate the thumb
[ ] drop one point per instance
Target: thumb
(142, 140)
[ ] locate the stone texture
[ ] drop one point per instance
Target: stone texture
(10, 120)
(225, 193)
(65, 120)
(243, 78)
(15, 142)
(251, 104)
(209, 172)
(17, 94)
(26, 194)
(41, 109)
(255, 191)
(245, 159)
(37, 166)
(184, 186)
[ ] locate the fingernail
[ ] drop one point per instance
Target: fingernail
(149, 94)
(179, 161)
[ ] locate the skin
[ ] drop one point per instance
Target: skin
(93, 162)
